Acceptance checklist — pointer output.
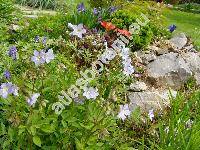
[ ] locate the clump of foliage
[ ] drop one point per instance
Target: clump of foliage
(179, 127)
(45, 4)
(49, 26)
(181, 1)
(6, 9)
(124, 17)
(189, 7)
(100, 3)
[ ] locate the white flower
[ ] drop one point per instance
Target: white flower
(166, 129)
(107, 56)
(15, 27)
(128, 69)
(79, 30)
(49, 56)
(125, 53)
(151, 114)
(32, 100)
(124, 112)
(126, 61)
(111, 54)
(90, 93)
(189, 123)
(94, 43)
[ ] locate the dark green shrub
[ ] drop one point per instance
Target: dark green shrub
(125, 17)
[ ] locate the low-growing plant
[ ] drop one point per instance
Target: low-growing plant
(189, 7)
(6, 9)
(124, 17)
(41, 60)
(180, 128)
(44, 4)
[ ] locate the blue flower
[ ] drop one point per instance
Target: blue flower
(81, 7)
(90, 93)
(13, 52)
(8, 88)
(159, 1)
(172, 28)
(49, 56)
(38, 58)
(7, 74)
(42, 57)
(112, 9)
(124, 112)
(44, 40)
(37, 39)
(95, 11)
(32, 100)
(151, 114)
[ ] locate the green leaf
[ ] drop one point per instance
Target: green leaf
(100, 144)
(48, 128)
(79, 145)
(21, 129)
(37, 141)
(2, 129)
(33, 130)
(89, 126)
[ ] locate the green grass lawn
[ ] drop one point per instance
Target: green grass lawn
(185, 22)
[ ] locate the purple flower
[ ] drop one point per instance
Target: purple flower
(81, 7)
(32, 100)
(8, 88)
(42, 57)
(13, 52)
(172, 28)
(14, 90)
(124, 112)
(7, 74)
(49, 56)
(112, 9)
(151, 114)
(38, 58)
(37, 39)
(5, 90)
(159, 1)
(95, 11)
(44, 40)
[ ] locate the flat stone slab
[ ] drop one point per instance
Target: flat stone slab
(193, 61)
(168, 70)
(150, 99)
(138, 86)
(179, 41)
